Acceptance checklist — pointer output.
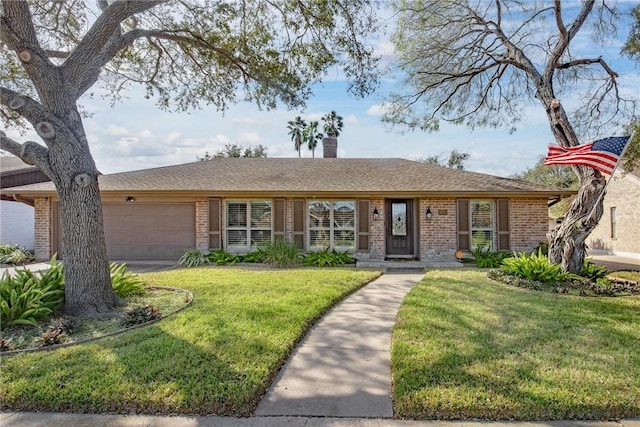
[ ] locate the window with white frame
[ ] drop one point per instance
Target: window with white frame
(482, 224)
(248, 223)
(332, 224)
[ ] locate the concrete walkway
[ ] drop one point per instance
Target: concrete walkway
(342, 367)
(45, 419)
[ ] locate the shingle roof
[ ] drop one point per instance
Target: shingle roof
(12, 164)
(294, 175)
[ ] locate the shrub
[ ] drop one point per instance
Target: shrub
(27, 298)
(141, 315)
(125, 283)
(593, 271)
(193, 258)
(14, 254)
(328, 258)
(255, 257)
(222, 257)
(280, 253)
(534, 267)
(486, 259)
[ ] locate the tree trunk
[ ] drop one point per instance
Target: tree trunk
(567, 242)
(88, 290)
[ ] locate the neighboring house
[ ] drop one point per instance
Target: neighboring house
(618, 231)
(376, 208)
(17, 215)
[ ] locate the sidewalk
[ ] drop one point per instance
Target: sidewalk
(342, 367)
(30, 419)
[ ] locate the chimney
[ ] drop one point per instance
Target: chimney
(330, 147)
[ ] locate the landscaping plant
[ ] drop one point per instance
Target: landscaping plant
(141, 315)
(14, 255)
(327, 258)
(487, 259)
(280, 253)
(193, 258)
(30, 297)
(534, 266)
(222, 257)
(125, 282)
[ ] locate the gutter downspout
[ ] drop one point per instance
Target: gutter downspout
(21, 199)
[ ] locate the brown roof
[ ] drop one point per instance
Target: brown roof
(13, 164)
(294, 175)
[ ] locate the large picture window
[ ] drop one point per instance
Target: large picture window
(248, 224)
(332, 224)
(482, 225)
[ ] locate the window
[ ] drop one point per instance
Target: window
(248, 224)
(332, 224)
(482, 224)
(614, 223)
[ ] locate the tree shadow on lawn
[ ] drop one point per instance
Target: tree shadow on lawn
(146, 371)
(496, 352)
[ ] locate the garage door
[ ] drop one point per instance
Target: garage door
(149, 231)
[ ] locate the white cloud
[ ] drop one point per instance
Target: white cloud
(376, 110)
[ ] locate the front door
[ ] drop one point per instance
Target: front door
(399, 227)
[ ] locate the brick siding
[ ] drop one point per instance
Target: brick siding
(438, 236)
(202, 224)
(42, 224)
(528, 223)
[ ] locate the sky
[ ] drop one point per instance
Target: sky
(135, 134)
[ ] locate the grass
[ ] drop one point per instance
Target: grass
(218, 356)
(467, 347)
(626, 275)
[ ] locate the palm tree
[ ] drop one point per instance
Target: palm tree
(311, 136)
(332, 124)
(296, 131)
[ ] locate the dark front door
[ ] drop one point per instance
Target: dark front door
(399, 227)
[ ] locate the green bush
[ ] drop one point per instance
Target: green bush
(222, 257)
(534, 267)
(593, 271)
(28, 297)
(280, 253)
(125, 283)
(487, 259)
(193, 258)
(14, 255)
(328, 258)
(254, 257)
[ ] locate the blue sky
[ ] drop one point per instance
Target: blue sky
(136, 135)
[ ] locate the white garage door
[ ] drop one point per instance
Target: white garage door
(149, 231)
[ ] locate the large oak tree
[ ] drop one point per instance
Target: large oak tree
(483, 63)
(185, 53)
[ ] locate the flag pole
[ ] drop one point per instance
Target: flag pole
(615, 168)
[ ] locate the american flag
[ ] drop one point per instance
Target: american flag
(602, 155)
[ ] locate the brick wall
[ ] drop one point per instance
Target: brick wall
(202, 224)
(42, 224)
(439, 234)
(528, 223)
(377, 232)
(623, 193)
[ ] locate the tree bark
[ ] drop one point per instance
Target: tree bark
(567, 242)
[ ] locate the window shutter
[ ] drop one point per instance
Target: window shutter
(298, 223)
(464, 241)
(278, 219)
(215, 241)
(363, 225)
(503, 224)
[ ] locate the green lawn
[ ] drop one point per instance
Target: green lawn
(467, 347)
(218, 356)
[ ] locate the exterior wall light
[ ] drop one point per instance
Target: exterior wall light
(130, 199)
(429, 213)
(375, 213)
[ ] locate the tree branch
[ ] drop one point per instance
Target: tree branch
(30, 152)
(83, 65)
